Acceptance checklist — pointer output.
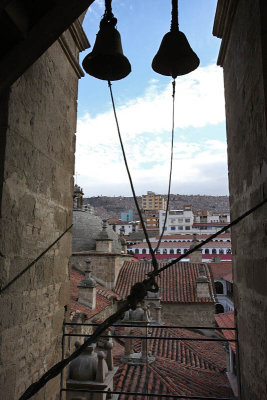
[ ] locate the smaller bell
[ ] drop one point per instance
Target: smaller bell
(175, 56)
(107, 61)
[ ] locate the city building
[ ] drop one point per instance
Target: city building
(223, 282)
(187, 293)
(151, 222)
(127, 216)
(152, 201)
(178, 221)
(40, 72)
(173, 249)
(205, 216)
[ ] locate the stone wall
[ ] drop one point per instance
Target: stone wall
(38, 128)
(105, 266)
(188, 314)
(245, 76)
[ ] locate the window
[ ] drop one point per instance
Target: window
(164, 251)
(136, 251)
(172, 228)
(187, 228)
(180, 219)
(143, 251)
(218, 287)
(229, 251)
(171, 251)
(180, 228)
(187, 220)
(221, 251)
(207, 251)
(214, 251)
(219, 308)
(178, 251)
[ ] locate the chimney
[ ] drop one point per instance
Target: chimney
(104, 241)
(87, 288)
(196, 256)
(202, 283)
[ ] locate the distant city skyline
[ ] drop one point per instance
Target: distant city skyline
(143, 103)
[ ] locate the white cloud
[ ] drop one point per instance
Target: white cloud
(145, 122)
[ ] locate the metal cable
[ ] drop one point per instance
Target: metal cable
(170, 176)
(34, 261)
(198, 246)
(154, 260)
(138, 292)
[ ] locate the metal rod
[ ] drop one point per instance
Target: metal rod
(169, 396)
(153, 326)
(62, 357)
(155, 337)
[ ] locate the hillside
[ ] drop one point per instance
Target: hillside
(111, 207)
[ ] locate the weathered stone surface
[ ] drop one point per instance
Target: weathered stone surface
(38, 128)
(187, 314)
(245, 74)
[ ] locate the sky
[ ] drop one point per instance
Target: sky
(144, 106)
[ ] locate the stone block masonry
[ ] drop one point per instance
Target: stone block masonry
(245, 76)
(38, 128)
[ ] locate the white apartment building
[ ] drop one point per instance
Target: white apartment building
(178, 221)
(205, 216)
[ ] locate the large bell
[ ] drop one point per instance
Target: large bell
(175, 56)
(106, 61)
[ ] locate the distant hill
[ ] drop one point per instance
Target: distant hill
(111, 207)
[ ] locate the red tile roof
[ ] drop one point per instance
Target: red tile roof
(177, 283)
(104, 296)
(209, 257)
(175, 245)
(190, 236)
(227, 320)
(181, 368)
(222, 270)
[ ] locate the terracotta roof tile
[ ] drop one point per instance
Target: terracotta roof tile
(181, 368)
(177, 283)
(222, 270)
(104, 296)
(190, 236)
(178, 245)
(227, 320)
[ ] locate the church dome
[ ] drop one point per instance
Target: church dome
(86, 229)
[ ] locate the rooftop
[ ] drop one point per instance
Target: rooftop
(177, 283)
(181, 367)
(104, 296)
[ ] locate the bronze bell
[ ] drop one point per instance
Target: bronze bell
(175, 56)
(106, 61)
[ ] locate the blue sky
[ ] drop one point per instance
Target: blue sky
(143, 101)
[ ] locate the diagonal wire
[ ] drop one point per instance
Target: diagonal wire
(57, 368)
(154, 260)
(198, 246)
(34, 261)
(170, 176)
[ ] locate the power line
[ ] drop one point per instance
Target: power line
(170, 176)
(34, 261)
(138, 292)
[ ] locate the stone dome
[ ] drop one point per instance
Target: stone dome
(86, 229)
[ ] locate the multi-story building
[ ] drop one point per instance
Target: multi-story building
(152, 201)
(204, 216)
(178, 221)
(127, 216)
